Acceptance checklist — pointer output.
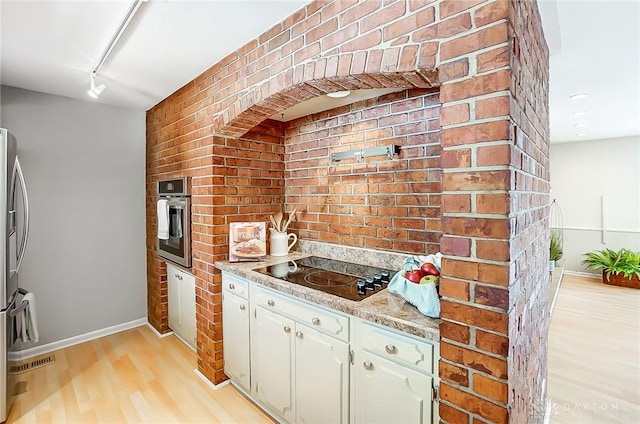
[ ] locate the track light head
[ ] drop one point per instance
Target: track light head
(95, 91)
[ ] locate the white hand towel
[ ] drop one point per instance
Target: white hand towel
(16, 334)
(29, 325)
(163, 219)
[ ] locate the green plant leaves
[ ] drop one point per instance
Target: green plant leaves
(623, 261)
(555, 246)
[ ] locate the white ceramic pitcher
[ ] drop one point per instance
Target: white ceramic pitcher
(279, 240)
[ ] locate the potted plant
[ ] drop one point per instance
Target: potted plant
(555, 249)
(619, 268)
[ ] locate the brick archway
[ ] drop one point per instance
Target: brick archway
(297, 85)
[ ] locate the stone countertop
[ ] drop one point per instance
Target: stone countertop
(383, 307)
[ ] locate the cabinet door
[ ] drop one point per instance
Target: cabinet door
(273, 362)
(390, 393)
(188, 308)
(321, 377)
(173, 299)
(181, 293)
(235, 328)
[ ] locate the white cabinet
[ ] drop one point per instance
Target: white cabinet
(300, 372)
(307, 364)
(273, 361)
(181, 288)
(390, 393)
(235, 329)
(321, 377)
(394, 377)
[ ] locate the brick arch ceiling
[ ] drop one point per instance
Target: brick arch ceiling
(297, 85)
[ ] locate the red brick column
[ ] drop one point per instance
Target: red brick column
(495, 183)
(529, 287)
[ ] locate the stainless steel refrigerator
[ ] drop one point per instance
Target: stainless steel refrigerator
(12, 248)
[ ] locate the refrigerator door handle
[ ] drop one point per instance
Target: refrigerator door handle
(13, 312)
(21, 307)
(25, 225)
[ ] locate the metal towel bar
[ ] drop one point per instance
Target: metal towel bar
(363, 153)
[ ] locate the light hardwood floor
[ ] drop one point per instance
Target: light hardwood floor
(594, 353)
(129, 377)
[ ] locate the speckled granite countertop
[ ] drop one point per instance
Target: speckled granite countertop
(383, 307)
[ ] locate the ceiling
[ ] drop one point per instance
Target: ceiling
(51, 46)
(595, 49)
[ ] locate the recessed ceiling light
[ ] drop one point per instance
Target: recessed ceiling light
(578, 96)
(580, 125)
(581, 134)
(339, 94)
(581, 113)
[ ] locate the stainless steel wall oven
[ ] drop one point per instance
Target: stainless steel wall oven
(174, 220)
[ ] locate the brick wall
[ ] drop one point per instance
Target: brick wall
(476, 226)
(490, 61)
(377, 203)
(232, 180)
(175, 149)
(495, 184)
(529, 288)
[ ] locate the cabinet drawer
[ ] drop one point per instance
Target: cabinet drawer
(397, 347)
(234, 284)
(322, 320)
(180, 275)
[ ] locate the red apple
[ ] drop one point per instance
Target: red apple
(429, 269)
(414, 276)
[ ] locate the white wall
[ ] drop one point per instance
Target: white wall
(583, 172)
(84, 165)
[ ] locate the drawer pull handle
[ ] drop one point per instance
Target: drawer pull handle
(270, 302)
(232, 286)
(242, 307)
(287, 329)
(390, 348)
(299, 334)
(315, 321)
(367, 365)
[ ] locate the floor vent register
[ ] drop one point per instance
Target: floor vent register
(31, 364)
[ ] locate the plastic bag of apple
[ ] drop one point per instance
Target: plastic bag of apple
(417, 282)
(424, 270)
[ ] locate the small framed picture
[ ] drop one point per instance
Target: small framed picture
(247, 241)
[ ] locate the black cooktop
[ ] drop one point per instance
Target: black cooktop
(344, 279)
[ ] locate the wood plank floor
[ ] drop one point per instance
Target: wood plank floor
(129, 377)
(594, 353)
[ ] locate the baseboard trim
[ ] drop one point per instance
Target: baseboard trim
(209, 383)
(583, 274)
(157, 333)
(72, 341)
